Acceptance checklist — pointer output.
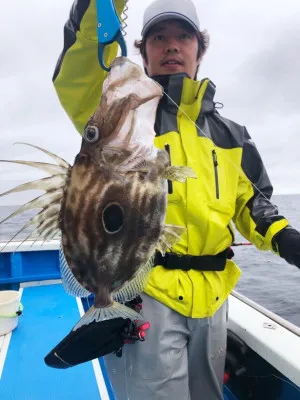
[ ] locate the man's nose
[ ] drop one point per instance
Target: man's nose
(172, 46)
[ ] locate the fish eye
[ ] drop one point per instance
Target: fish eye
(112, 218)
(91, 134)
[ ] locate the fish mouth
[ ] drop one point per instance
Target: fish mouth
(171, 61)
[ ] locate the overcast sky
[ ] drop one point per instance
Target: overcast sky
(253, 59)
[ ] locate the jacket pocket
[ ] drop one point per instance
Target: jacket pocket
(215, 165)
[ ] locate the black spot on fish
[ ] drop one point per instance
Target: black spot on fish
(113, 218)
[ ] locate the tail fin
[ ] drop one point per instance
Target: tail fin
(115, 310)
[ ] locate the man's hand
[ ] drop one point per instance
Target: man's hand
(288, 242)
(98, 339)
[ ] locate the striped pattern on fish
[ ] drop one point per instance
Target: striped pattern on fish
(110, 206)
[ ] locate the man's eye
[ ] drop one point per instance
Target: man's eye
(158, 37)
(185, 36)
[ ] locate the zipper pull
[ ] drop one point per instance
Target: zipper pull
(215, 162)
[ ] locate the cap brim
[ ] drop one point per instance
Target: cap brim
(164, 17)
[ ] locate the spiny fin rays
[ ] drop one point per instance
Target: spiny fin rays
(32, 221)
(16, 234)
(52, 169)
(47, 184)
(39, 202)
(179, 173)
(55, 233)
(60, 161)
(46, 217)
(115, 310)
(51, 235)
(48, 212)
(46, 231)
(52, 231)
(45, 227)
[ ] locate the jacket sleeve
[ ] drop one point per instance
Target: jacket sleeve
(256, 218)
(78, 77)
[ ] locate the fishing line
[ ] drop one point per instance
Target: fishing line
(238, 168)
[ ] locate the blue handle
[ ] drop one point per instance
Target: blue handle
(108, 24)
(108, 29)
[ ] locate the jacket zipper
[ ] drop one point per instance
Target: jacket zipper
(170, 185)
(215, 162)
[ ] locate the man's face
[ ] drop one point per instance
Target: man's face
(171, 49)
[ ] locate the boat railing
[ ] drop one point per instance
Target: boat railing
(16, 246)
(274, 317)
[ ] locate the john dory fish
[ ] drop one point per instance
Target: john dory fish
(110, 206)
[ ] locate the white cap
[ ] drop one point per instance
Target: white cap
(162, 10)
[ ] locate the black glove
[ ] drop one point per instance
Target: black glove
(97, 339)
(87, 343)
(288, 241)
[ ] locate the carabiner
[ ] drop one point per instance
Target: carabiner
(109, 29)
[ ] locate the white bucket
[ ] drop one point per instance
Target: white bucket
(9, 305)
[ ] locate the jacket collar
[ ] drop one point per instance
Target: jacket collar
(183, 90)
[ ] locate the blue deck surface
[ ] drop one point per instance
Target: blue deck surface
(49, 315)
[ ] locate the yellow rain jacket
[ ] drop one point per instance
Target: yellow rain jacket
(220, 151)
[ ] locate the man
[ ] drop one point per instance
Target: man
(186, 297)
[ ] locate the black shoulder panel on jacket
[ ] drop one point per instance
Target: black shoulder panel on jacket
(263, 212)
(166, 116)
(223, 132)
(208, 105)
(166, 119)
(77, 12)
(253, 166)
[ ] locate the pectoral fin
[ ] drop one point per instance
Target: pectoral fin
(171, 235)
(179, 173)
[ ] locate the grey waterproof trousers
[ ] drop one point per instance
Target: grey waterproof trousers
(181, 359)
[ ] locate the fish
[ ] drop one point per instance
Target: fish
(109, 207)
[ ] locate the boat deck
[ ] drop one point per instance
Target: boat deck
(49, 314)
